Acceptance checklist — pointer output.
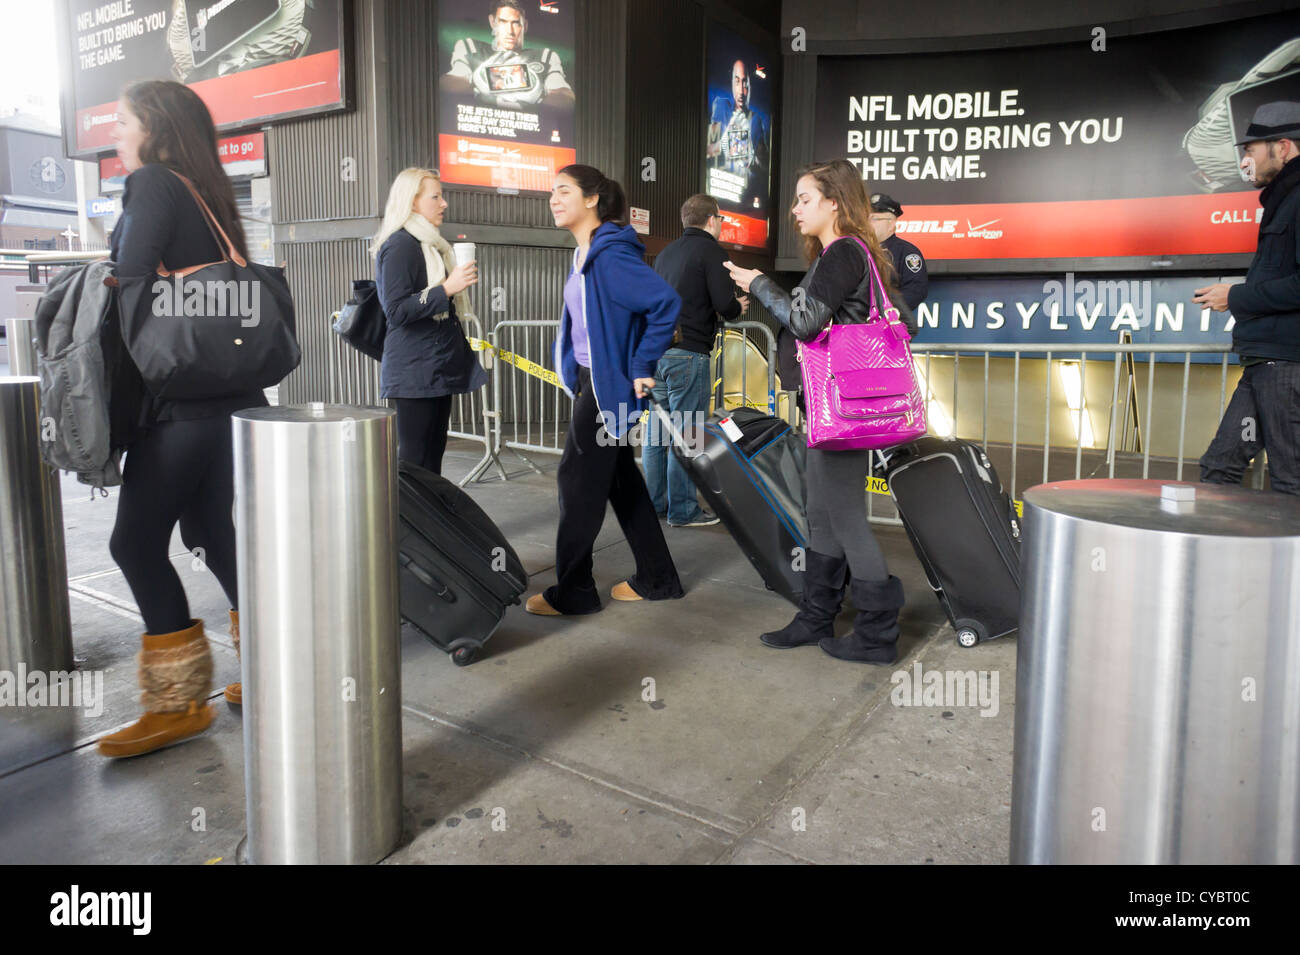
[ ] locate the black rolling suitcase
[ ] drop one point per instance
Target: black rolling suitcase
(750, 468)
(965, 532)
(457, 573)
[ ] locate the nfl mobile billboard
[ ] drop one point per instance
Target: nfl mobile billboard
(1110, 147)
(251, 61)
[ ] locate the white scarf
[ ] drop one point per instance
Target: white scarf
(438, 260)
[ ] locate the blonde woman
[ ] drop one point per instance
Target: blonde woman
(427, 357)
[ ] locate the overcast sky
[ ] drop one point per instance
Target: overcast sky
(29, 58)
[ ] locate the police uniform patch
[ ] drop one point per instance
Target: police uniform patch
(913, 262)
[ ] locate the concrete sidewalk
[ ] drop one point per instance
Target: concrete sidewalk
(745, 754)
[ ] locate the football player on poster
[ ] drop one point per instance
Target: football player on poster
(510, 75)
(738, 140)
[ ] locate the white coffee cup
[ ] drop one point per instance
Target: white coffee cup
(464, 252)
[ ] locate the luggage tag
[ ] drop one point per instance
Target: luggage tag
(730, 429)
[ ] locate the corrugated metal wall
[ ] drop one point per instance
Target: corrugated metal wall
(799, 88)
(327, 168)
(320, 275)
(408, 87)
(665, 71)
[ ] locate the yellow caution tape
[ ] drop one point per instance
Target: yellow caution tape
(876, 485)
(523, 364)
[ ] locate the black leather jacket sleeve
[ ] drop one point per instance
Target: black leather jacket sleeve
(805, 319)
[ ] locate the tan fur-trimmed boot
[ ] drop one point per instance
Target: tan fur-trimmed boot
(235, 691)
(175, 679)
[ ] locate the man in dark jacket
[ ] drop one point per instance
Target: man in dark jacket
(693, 266)
(1264, 413)
(910, 274)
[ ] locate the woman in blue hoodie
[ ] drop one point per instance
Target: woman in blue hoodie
(617, 322)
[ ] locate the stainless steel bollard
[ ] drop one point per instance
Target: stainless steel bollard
(33, 565)
(20, 340)
(1158, 676)
(316, 528)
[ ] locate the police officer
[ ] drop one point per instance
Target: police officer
(909, 264)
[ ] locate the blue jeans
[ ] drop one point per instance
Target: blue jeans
(681, 387)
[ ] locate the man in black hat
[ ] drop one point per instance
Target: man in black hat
(1264, 413)
(909, 264)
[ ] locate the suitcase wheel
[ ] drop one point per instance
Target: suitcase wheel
(464, 656)
(970, 632)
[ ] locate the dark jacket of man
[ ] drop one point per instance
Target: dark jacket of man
(1266, 307)
(910, 274)
(693, 266)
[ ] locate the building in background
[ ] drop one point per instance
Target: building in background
(38, 189)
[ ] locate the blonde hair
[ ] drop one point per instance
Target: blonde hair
(401, 202)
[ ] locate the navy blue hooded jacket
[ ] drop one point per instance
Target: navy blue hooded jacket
(631, 314)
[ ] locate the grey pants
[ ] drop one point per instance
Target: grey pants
(837, 511)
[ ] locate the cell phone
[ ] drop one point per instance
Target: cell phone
(507, 79)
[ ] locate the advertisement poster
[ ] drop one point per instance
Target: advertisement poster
(505, 94)
(251, 61)
(242, 156)
(1119, 146)
(738, 152)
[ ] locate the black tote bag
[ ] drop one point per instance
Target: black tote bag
(210, 331)
(361, 322)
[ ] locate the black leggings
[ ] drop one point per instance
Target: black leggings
(176, 471)
(422, 430)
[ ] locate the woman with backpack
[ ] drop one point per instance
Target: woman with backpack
(833, 213)
(427, 358)
(617, 321)
(180, 465)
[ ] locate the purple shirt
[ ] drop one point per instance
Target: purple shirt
(577, 316)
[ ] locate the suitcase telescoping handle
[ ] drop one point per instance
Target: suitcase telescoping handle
(674, 432)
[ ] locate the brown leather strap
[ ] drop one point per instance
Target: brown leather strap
(218, 233)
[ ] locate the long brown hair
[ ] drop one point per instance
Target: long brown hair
(840, 181)
(182, 137)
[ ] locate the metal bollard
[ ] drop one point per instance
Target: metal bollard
(316, 529)
(33, 565)
(20, 340)
(1157, 696)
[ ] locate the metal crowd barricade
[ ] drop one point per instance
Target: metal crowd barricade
(516, 395)
(529, 414)
(721, 392)
(1116, 418)
(472, 414)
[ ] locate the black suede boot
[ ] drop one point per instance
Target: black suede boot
(819, 605)
(874, 638)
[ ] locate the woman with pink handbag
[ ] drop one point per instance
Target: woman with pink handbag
(845, 285)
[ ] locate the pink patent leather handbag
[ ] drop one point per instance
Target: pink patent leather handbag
(859, 384)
